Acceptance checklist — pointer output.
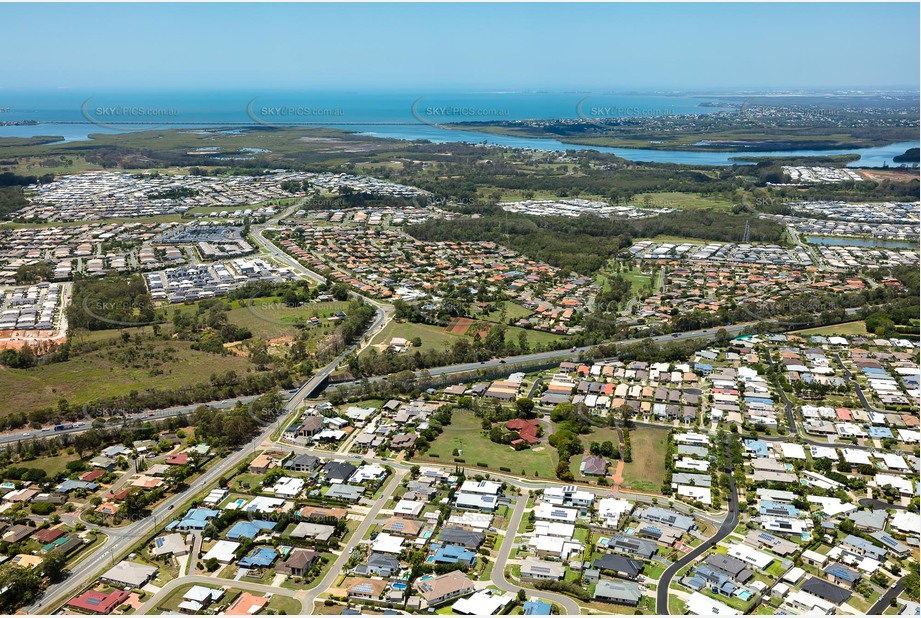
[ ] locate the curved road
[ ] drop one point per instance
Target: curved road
(498, 572)
(729, 524)
(166, 590)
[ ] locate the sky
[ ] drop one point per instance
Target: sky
(501, 47)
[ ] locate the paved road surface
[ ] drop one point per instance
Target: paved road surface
(211, 582)
(729, 524)
(887, 597)
(498, 572)
(339, 565)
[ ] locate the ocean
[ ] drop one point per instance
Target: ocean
(75, 115)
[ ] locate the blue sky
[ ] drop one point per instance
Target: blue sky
(490, 46)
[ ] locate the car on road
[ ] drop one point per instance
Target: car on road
(171, 507)
(502, 362)
(674, 335)
(27, 435)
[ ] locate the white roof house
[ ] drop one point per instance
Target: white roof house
(483, 603)
(223, 552)
(387, 543)
(792, 451)
(612, 509)
(750, 555)
(550, 512)
(701, 605)
(409, 508)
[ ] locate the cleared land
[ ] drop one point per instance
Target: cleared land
(268, 318)
(848, 328)
(433, 337)
(683, 201)
(438, 337)
(107, 372)
(647, 470)
(465, 434)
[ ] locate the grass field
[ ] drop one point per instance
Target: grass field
(647, 470)
(684, 201)
(847, 328)
(464, 434)
(512, 311)
(97, 374)
(436, 338)
(268, 318)
(433, 337)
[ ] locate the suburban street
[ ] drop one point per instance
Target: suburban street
(725, 529)
(568, 604)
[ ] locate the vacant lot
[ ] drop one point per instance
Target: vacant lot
(268, 318)
(647, 470)
(848, 328)
(433, 337)
(512, 311)
(105, 373)
(682, 201)
(465, 435)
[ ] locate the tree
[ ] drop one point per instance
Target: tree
(525, 407)
(54, 565)
(18, 587)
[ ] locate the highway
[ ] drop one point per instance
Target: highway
(729, 524)
(120, 540)
(570, 353)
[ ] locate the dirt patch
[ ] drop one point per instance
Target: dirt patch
(891, 175)
(459, 326)
(618, 477)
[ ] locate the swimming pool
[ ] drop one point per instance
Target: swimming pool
(399, 586)
(744, 595)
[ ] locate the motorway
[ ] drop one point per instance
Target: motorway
(569, 353)
(729, 524)
(120, 540)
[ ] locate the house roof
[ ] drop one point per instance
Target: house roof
(619, 564)
(461, 536)
(826, 590)
(618, 590)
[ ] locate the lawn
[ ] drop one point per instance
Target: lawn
(284, 605)
(847, 328)
(101, 373)
(52, 465)
(647, 470)
(654, 570)
(464, 434)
